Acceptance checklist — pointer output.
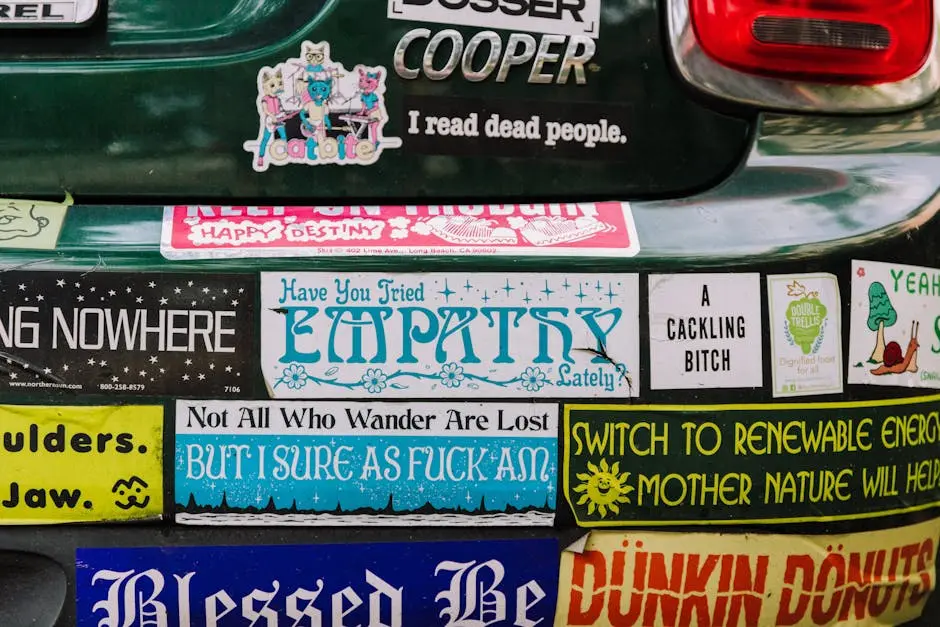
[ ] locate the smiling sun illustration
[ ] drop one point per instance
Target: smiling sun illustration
(603, 488)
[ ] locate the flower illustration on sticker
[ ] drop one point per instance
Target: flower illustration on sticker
(603, 488)
(533, 379)
(398, 233)
(374, 380)
(451, 375)
(399, 222)
(295, 376)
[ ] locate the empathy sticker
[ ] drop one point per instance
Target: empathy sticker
(452, 335)
(80, 464)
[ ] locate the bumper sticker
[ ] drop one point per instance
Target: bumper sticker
(336, 335)
(32, 224)
(63, 464)
(744, 464)
(890, 301)
(864, 579)
(705, 331)
(603, 229)
(386, 464)
(471, 127)
(805, 334)
(313, 111)
(431, 584)
(130, 333)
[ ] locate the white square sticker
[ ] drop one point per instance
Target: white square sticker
(705, 331)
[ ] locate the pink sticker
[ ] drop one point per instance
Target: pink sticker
(566, 229)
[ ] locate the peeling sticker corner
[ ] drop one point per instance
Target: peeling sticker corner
(579, 545)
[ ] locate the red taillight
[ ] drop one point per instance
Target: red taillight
(836, 41)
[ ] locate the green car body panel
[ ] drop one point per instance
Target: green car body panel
(165, 113)
(809, 186)
(151, 105)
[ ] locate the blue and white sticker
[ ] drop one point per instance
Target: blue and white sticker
(384, 464)
(346, 335)
(426, 584)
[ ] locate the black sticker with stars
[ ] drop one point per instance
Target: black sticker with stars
(182, 335)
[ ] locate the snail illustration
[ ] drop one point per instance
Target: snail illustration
(893, 362)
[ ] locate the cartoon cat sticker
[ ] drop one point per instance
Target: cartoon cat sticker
(312, 111)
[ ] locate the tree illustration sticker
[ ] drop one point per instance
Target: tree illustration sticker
(889, 356)
(882, 295)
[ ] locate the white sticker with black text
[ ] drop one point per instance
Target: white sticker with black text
(705, 331)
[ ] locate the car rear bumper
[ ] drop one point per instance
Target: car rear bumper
(809, 186)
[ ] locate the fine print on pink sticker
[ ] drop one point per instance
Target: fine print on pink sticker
(561, 229)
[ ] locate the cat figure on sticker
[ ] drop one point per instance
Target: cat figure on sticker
(315, 55)
(274, 116)
(315, 117)
(313, 112)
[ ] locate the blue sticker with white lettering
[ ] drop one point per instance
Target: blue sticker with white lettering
(426, 584)
(346, 463)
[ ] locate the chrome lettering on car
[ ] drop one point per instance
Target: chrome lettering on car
(569, 54)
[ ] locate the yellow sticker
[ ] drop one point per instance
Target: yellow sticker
(628, 578)
(32, 224)
(80, 464)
